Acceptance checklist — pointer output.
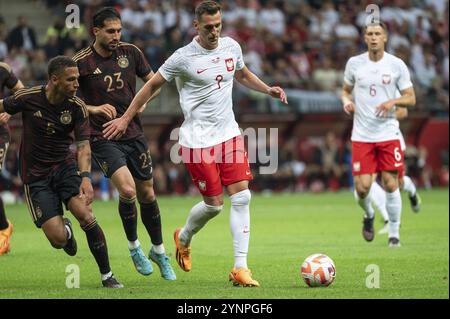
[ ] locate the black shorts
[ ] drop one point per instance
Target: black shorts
(4, 143)
(112, 155)
(45, 197)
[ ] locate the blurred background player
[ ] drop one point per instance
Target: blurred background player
(376, 76)
(50, 114)
(204, 71)
(8, 80)
(108, 70)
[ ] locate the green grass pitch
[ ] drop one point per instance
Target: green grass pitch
(285, 230)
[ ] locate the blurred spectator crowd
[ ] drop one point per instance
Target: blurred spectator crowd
(301, 44)
(298, 44)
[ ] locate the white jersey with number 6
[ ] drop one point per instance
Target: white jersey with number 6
(204, 80)
(375, 83)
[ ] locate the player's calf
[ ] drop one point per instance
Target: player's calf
(56, 232)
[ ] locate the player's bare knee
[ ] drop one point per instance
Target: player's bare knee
(241, 198)
(362, 185)
(127, 192)
(362, 190)
(148, 196)
(390, 183)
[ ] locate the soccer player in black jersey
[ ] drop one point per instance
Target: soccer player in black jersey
(108, 70)
(9, 80)
(49, 170)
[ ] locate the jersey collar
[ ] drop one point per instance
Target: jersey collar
(202, 49)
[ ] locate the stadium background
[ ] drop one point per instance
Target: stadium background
(301, 45)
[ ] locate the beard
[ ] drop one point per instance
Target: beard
(109, 46)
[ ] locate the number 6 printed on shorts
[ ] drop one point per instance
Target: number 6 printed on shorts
(397, 154)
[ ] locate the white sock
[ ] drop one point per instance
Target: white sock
(69, 232)
(199, 215)
(365, 205)
(378, 197)
(159, 249)
(106, 276)
(408, 186)
(394, 208)
(133, 244)
(240, 226)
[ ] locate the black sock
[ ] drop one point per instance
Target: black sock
(3, 221)
(128, 214)
(97, 244)
(152, 220)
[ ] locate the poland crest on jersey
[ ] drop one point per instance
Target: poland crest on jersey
(202, 185)
(386, 78)
(230, 64)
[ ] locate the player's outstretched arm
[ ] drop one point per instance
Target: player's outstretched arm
(146, 79)
(116, 128)
(407, 99)
(250, 80)
(84, 165)
(347, 100)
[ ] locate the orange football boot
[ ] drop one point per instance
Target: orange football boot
(5, 236)
(242, 277)
(183, 253)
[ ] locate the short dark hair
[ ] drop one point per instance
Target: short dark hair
(207, 7)
(376, 24)
(59, 64)
(106, 13)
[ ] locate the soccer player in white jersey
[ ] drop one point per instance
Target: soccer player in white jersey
(374, 77)
(204, 71)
